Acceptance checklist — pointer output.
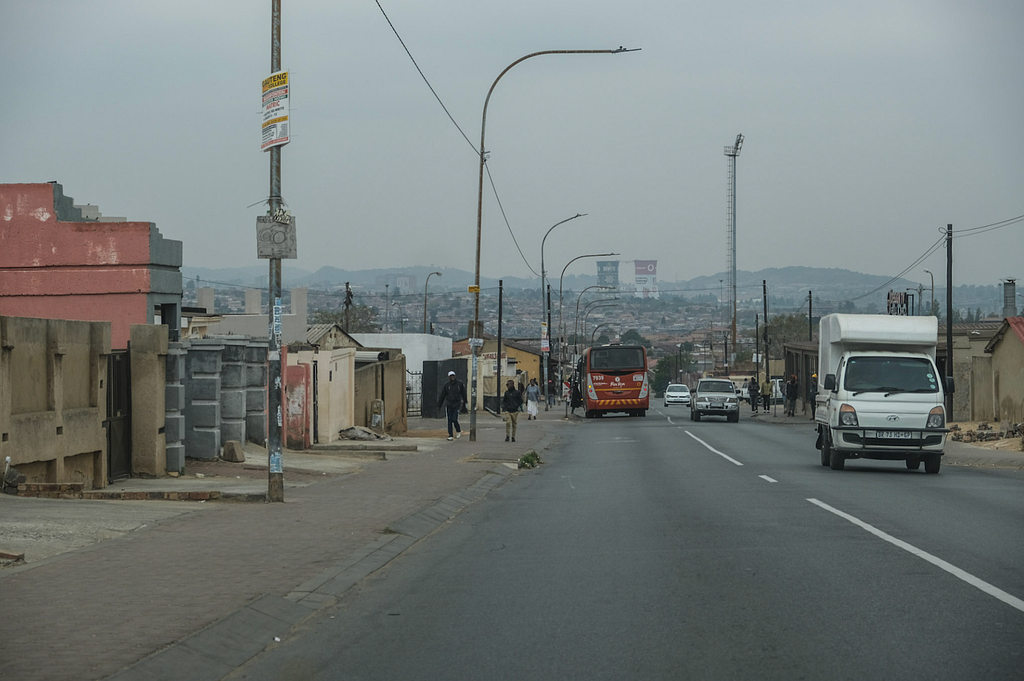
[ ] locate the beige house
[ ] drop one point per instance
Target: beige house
(999, 377)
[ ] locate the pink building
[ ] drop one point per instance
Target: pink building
(57, 264)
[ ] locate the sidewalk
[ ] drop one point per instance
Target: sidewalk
(239, 574)
(956, 453)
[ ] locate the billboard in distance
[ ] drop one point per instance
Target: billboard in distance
(645, 274)
(608, 273)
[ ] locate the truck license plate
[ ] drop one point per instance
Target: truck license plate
(894, 434)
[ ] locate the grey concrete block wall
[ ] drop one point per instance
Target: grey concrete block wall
(202, 399)
(174, 407)
(233, 391)
(256, 392)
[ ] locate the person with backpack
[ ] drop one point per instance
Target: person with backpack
(754, 393)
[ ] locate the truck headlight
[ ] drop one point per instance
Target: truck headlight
(936, 418)
(847, 416)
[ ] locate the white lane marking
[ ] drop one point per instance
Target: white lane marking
(569, 478)
(765, 477)
(1012, 601)
(670, 420)
(710, 448)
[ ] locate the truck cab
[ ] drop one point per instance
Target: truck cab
(880, 395)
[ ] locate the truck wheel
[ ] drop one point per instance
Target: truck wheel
(734, 418)
(913, 464)
(826, 450)
(836, 459)
(932, 463)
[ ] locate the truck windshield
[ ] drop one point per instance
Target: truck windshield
(890, 375)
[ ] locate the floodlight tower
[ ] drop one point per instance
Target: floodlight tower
(730, 236)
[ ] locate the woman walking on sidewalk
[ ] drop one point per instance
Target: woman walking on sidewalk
(511, 402)
(532, 399)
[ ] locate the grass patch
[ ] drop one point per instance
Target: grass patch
(530, 460)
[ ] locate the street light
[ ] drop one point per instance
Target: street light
(480, 208)
(931, 310)
(576, 323)
(425, 298)
(589, 309)
(545, 307)
(594, 332)
(561, 328)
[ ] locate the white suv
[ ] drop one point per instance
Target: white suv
(715, 397)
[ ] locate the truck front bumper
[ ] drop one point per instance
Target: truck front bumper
(895, 445)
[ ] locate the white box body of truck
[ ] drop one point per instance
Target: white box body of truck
(880, 395)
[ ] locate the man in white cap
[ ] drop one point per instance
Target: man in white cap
(453, 396)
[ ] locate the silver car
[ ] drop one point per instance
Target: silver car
(715, 397)
(677, 393)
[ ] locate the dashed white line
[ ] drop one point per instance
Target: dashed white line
(984, 586)
(765, 477)
(710, 448)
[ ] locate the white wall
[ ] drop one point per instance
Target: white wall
(417, 347)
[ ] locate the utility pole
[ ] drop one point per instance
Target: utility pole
(949, 321)
(275, 389)
(547, 360)
(764, 295)
(810, 316)
(501, 291)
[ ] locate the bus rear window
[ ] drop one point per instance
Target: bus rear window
(617, 359)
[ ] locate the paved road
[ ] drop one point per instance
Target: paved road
(661, 548)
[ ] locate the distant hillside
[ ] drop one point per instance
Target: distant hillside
(787, 286)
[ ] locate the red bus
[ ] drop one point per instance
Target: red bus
(613, 378)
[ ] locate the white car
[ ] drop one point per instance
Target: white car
(677, 393)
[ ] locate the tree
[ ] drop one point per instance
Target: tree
(633, 337)
(785, 328)
(361, 319)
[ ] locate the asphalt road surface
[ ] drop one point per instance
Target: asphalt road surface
(659, 548)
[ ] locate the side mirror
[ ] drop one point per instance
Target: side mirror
(830, 382)
(950, 386)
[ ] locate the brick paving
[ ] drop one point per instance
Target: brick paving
(99, 609)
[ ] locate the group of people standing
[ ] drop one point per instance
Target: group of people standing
(762, 394)
(453, 399)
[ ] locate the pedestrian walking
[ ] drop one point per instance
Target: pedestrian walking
(766, 394)
(792, 390)
(453, 398)
(532, 400)
(511, 402)
(814, 394)
(577, 396)
(754, 393)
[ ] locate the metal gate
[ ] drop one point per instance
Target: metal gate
(119, 421)
(413, 393)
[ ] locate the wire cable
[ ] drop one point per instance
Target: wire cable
(432, 91)
(502, 208)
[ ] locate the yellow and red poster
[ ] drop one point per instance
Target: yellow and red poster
(275, 111)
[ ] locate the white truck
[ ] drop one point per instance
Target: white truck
(880, 395)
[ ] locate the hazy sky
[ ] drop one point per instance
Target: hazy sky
(869, 125)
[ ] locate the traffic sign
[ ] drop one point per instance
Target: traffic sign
(474, 289)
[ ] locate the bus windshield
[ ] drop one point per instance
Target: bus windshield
(617, 359)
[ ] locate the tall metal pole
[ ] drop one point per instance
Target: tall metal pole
(764, 294)
(810, 315)
(949, 319)
(576, 323)
(480, 202)
(275, 389)
(547, 358)
(732, 152)
(501, 297)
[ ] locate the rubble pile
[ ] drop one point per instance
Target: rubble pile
(986, 433)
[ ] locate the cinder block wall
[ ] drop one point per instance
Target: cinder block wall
(232, 391)
(174, 404)
(202, 399)
(256, 392)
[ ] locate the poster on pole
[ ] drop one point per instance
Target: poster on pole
(275, 111)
